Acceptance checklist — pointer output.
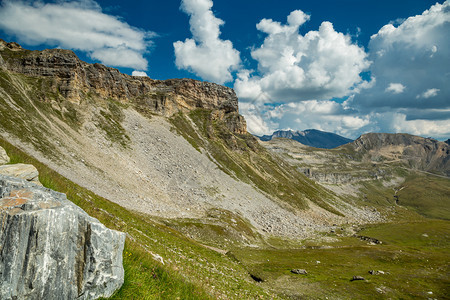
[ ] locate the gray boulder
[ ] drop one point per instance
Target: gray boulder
(23, 171)
(357, 278)
(4, 159)
(51, 249)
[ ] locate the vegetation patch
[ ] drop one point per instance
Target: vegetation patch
(23, 115)
(426, 194)
(184, 128)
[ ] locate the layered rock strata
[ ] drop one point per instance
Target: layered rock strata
(75, 79)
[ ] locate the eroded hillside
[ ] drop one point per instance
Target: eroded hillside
(201, 195)
(172, 149)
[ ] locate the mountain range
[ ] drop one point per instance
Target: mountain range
(310, 137)
(210, 211)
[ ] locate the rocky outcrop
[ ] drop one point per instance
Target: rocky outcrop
(416, 152)
(4, 158)
(75, 79)
(23, 171)
(51, 249)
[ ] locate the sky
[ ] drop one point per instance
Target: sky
(348, 66)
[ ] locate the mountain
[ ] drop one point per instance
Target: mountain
(415, 152)
(381, 167)
(311, 137)
(174, 148)
(209, 211)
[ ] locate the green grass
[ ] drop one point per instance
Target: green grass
(184, 128)
(192, 271)
(219, 228)
(24, 117)
(414, 264)
(426, 194)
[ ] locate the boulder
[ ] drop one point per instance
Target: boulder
(51, 249)
(23, 171)
(357, 278)
(299, 271)
(4, 159)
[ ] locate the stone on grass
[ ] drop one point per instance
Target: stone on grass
(357, 278)
(373, 272)
(299, 271)
(51, 249)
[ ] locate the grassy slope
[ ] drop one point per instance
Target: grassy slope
(427, 194)
(191, 270)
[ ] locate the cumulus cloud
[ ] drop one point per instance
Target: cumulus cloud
(205, 54)
(336, 117)
(408, 91)
(429, 93)
(399, 122)
(322, 115)
(292, 67)
(395, 88)
(415, 53)
(79, 25)
(139, 74)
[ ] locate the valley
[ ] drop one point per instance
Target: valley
(212, 212)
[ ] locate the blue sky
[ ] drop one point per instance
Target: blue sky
(348, 66)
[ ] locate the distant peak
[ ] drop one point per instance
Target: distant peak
(310, 137)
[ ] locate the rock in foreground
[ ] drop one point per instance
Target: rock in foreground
(23, 171)
(4, 159)
(51, 249)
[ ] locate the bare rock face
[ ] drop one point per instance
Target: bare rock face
(4, 158)
(51, 249)
(74, 79)
(23, 171)
(416, 152)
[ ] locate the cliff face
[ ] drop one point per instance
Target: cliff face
(74, 79)
(421, 153)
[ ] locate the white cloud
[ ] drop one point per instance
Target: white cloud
(206, 54)
(335, 117)
(139, 74)
(292, 67)
(429, 93)
(415, 52)
(78, 25)
(410, 60)
(398, 122)
(395, 88)
(323, 115)
(256, 119)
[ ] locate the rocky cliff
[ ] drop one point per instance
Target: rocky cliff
(51, 249)
(73, 79)
(416, 152)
